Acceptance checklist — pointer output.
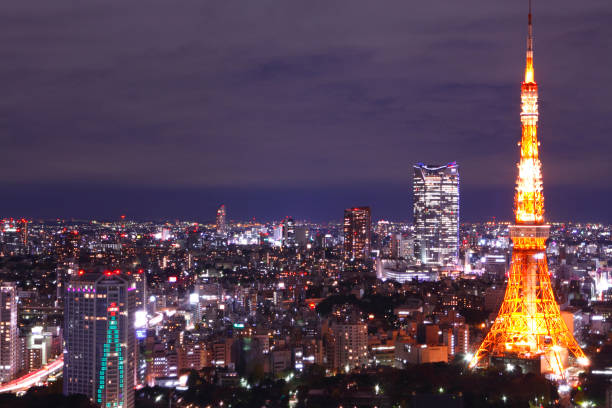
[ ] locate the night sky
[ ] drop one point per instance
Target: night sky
(165, 109)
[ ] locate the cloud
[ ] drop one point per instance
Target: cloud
(273, 94)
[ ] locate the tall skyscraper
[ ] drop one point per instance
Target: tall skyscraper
(24, 231)
(529, 327)
(99, 338)
(357, 233)
(8, 331)
(436, 213)
(288, 232)
(221, 220)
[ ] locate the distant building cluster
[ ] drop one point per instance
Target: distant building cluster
(115, 307)
(125, 305)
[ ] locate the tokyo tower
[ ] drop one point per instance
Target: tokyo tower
(529, 324)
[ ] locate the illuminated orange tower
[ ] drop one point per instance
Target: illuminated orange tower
(529, 323)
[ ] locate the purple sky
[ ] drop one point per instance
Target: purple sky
(167, 108)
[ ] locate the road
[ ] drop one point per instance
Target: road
(33, 378)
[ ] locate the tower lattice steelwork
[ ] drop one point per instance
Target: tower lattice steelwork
(529, 323)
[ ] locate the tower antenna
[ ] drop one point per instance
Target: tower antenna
(530, 31)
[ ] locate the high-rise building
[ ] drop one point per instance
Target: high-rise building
(529, 329)
(99, 338)
(436, 213)
(8, 331)
(288, 232)
(301, 235)
(140, 279)
(402, 246)
(24, 231)
(221, 220)
(462, 333)
(350, 345)
(357, 233)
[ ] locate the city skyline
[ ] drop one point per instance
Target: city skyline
(170, 145)
(391, 202)
(305, 205)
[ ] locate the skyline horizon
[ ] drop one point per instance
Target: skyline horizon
(388, 202)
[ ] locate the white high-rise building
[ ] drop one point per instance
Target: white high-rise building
(8, 331)
(436, 213)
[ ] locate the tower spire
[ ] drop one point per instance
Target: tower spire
(529, 76)
(529, 198)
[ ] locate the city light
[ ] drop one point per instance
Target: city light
(222, 214)
(33, 378)
(140, 319)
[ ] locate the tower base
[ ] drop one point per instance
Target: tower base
(510, 363)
